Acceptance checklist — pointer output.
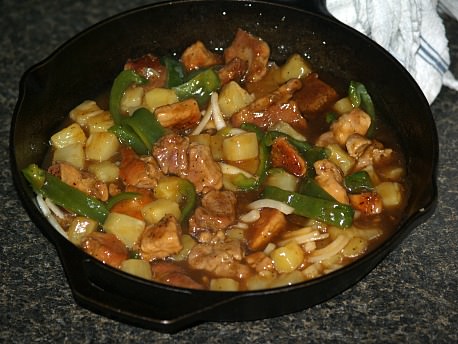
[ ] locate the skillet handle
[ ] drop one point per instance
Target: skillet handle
(315, 6)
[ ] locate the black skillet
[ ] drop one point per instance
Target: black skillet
(84, 68)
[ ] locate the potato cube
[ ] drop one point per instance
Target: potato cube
(294, 67)
(137, 267)
(132, 99)
(100, 122)
(73, 154)
(126, 228)
(232, 98)
(224, 284)
(68, 136)
(84, 111)
(342, 106)
(287, 258)
(153, 212)
(240, 147)
(158, 96)
(105, 171)
(80, 227)
(188, 243)
(101, 146)
(168, 188)
(391, 193)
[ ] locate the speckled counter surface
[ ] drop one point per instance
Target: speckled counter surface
(411, 297)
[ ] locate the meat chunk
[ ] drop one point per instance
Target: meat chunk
(218, 211)
(315, 95)
(172, 274)
(235, 70)
(374, 154)
(284, 155)
(273, 108)
(369, 203)
(356, 121)
(260, 262)
(325, 139)
(161, 240)
(330, 178)
(203, 171)
(356, 144)
(181, 115)
(252, 49)
(171, 153)
(198, 56)
(141, 172)
(151, 68)
(106, 247)
(82, 181)
(221, 259)
(269, 226)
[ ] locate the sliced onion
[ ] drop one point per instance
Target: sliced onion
(328, 251)
(271, 203)
(251, 216)
(42, 204)
(203, 121)
(230, 169)
(218, 118)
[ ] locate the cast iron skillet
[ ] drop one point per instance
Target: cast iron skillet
(86, 65)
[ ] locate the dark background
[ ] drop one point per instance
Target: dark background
(411, 297)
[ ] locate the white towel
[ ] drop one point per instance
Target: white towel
(411, 30)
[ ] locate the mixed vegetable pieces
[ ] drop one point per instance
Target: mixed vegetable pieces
(224, 171)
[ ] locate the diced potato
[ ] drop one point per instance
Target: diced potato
(168, 188)
(101, 146)
(105, 171)
(294, 67)
(80, 227)
(216, 146)
(224, 284)
(137, 267)
(286, 128)
(364, 233)
(341, 158)
(132, 99)
(257, 282)
(203, 139)
(355, 247)
(282, 179)
(188, 243)
(158, 97)
(287, 258)
(100, 122)
(68, 136)
(290, 278)
(73, 154)
(153, 212)
(342, 106)
(240, 147)
(232, 98)
(126, 228)
(84, 111)
(391, 193)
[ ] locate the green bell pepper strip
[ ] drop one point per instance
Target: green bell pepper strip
(359, 97)
(146, 126)
(175, 71)
(64, 195)
(120, 84)
(200, 87)
(127, 136)
(330, 212)
(358, 182)
(188, 191)
(121, 197)
(309, 187)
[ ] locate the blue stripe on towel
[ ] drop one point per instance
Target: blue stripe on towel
(431, 56)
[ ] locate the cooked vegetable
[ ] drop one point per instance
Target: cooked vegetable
(232, 98)
(240, 147)
(68, 136)
(137, 267)
(199, 87)
(358, 182)
(73, 154)
(126, 228)
(79, 228)
(159, 96)
(154, 212)
(175, 71)
(359, 96)
(101, 146)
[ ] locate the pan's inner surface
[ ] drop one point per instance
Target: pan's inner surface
(54, 87)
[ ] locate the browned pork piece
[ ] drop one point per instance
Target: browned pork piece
(252, 49)
(141, 172)
(181, 115)
(218, 211)
(273, 108)
(284, 155)
(354, 122)
(315, 95)
(172, 274)
(175, 155)
(83, 181)
(234, 70)
(269, 226)
(222, 259)
(369, 203)
(161, 239)
(106, 247)
(198, 56)
(330, 178)
(151, 68)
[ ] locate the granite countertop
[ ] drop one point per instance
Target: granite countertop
(410, 297)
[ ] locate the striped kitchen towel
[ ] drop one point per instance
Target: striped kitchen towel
(411, 30)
